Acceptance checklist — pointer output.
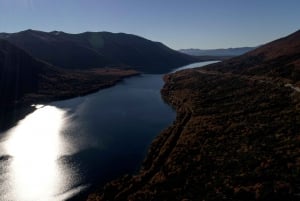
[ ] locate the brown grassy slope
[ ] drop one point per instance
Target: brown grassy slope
(236, 136)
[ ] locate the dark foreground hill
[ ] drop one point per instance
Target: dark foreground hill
(236, 136)
(23, 79)
(99, 49)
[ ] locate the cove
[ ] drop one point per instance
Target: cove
(63, 149)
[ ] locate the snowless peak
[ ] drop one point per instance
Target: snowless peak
(56, 32)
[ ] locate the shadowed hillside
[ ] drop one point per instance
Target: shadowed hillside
(24, 79)
(236, 136)
(99, 49)
(19, 73)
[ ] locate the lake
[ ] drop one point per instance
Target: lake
(62, 149)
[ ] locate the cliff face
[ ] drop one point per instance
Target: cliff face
(236, 136)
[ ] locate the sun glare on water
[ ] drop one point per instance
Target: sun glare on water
(35, 145)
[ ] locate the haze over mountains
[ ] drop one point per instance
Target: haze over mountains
(229, 52)
(236, 135)
(98, 49)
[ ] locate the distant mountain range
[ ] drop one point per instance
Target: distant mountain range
(98, 49)
(230, 52)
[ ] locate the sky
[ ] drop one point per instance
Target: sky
(204, 24)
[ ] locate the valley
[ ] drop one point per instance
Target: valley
(144, 101)
(236, 134)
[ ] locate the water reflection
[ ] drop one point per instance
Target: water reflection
(34, 146)
(195, 65)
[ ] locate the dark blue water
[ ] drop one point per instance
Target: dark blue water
(113, 128)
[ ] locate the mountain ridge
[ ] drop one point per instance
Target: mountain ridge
(99, 49)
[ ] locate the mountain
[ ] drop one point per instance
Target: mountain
(24, 79)
(98, 49)
(236, 136)
(279, 59)
(229, 52)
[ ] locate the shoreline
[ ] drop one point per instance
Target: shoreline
(197, 157)
(86, 92)
(12, 113)
(40, 98)
(161, 146)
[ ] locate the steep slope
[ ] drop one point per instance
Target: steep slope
(236, 136)
(99, 49)
(24, 79)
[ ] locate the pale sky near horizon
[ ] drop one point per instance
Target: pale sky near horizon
(204, 24)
